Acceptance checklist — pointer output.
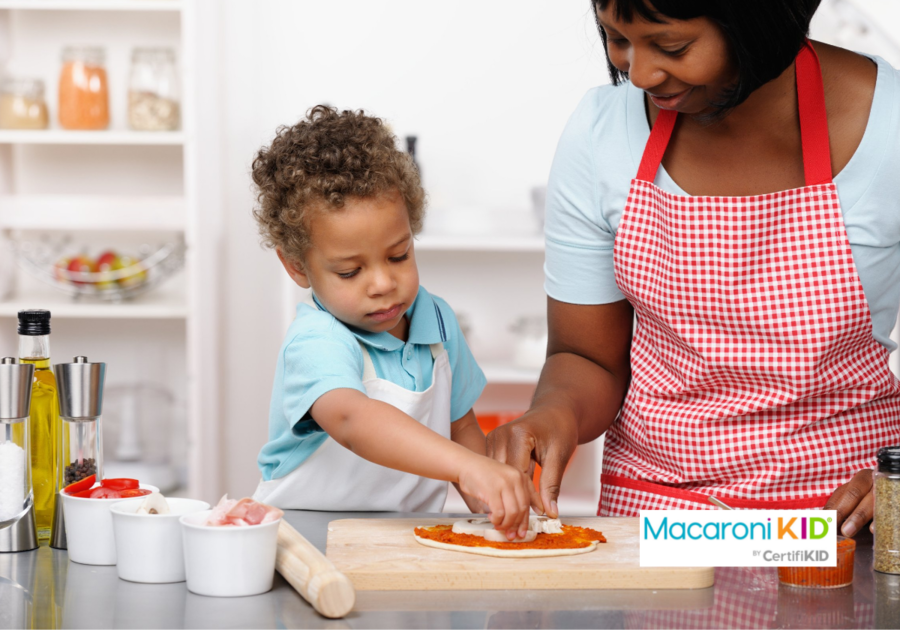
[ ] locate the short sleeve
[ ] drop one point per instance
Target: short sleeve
(315, 364)
(468, 379)
(579, 242)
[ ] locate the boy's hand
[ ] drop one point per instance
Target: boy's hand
(508, 493)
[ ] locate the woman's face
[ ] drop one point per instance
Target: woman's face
(683, 65)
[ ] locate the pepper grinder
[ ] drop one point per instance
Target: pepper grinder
(80, 387)
(17, 526)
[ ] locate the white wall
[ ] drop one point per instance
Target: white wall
(487, 87)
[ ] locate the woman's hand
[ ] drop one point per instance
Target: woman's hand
(854, 502)
(508, 493)
(537, 437)
(579, 394)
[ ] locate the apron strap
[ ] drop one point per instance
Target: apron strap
(813, 118)
(436, 349)
(368, 367)
(813, 125)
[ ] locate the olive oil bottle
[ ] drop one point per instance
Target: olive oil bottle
(34, 348)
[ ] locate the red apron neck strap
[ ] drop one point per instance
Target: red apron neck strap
(656, 144)
(813, 125)
(813, 119)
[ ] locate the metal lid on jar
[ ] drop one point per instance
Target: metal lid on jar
(20, 86)
(889, 459)
(15, 389)
(80, 386)
(90, 55)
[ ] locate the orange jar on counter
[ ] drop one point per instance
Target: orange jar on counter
(83, 89)
(824, 577)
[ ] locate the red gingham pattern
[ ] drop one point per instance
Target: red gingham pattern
(754, 370)
(755, 374)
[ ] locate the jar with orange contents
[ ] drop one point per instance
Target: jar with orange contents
(83, 89)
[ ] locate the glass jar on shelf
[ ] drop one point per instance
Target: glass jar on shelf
(22, 104)
(83, 89)
(153, 90)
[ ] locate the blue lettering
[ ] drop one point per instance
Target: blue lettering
(690, 535)
(663, 529)
(715, 527)
(677, 531)
(762, 526)
(734, 530)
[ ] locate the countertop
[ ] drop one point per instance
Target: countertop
(42, 589)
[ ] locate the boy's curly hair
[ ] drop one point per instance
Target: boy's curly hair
(318, 163)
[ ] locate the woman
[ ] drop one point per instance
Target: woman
(757, 252)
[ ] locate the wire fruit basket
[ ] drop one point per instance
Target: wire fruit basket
(117, 279)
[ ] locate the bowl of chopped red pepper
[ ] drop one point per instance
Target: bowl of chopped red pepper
(89, 526)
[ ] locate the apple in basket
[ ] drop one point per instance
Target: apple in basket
(138, 275)
(107, 263)
(80, 264)
(60, 267)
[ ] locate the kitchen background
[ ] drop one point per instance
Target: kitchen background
(191, 340)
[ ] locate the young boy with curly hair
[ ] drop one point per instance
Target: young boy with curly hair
(372, 402)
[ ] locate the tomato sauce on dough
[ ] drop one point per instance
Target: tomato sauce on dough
(571, 538)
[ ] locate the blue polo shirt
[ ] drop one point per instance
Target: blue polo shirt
(321, 353)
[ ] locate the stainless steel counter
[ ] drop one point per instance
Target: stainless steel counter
(42, 589)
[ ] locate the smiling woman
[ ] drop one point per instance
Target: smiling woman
(722, 267)
(752, 41)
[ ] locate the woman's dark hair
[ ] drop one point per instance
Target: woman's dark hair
(764, 35)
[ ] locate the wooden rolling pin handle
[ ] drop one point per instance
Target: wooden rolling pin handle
(329, 591)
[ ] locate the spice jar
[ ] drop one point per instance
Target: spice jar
(887, 510)
(83, 89)
(153, 90)
(22, 104)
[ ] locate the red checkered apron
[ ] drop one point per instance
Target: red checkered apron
(755, 375)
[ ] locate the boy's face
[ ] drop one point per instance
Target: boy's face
(361, 263)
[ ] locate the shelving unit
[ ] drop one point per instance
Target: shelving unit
(63, 136)
(119, 186)
(92, 5)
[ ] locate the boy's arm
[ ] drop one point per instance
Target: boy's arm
(466, 431)
(383, 434)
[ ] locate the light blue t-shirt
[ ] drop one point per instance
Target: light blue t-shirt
(598, 156)
(320, 354)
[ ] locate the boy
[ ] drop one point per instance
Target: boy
(372, 402)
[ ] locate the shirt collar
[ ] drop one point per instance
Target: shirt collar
(426, 325)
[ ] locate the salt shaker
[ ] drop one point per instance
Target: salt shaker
(17, 529)
(887, 510)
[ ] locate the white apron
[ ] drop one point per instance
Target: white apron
(336, 479)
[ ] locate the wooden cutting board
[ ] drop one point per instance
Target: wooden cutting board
(383, 555)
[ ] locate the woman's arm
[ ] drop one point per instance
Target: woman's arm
(383, 434)
(579, 394)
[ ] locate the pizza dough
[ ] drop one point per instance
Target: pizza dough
(483, 528)
(508, 553)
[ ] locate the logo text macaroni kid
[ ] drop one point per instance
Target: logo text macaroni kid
(737, 538)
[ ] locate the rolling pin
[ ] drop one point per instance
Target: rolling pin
(313, 575)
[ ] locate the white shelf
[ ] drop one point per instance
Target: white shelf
(479, 243)
(92, 5)
(62, 136)
(86, 212)
(500, 373)
(158, 303)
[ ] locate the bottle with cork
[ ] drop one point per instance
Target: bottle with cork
(34, 349)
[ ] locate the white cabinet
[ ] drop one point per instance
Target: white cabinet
(120, 188)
